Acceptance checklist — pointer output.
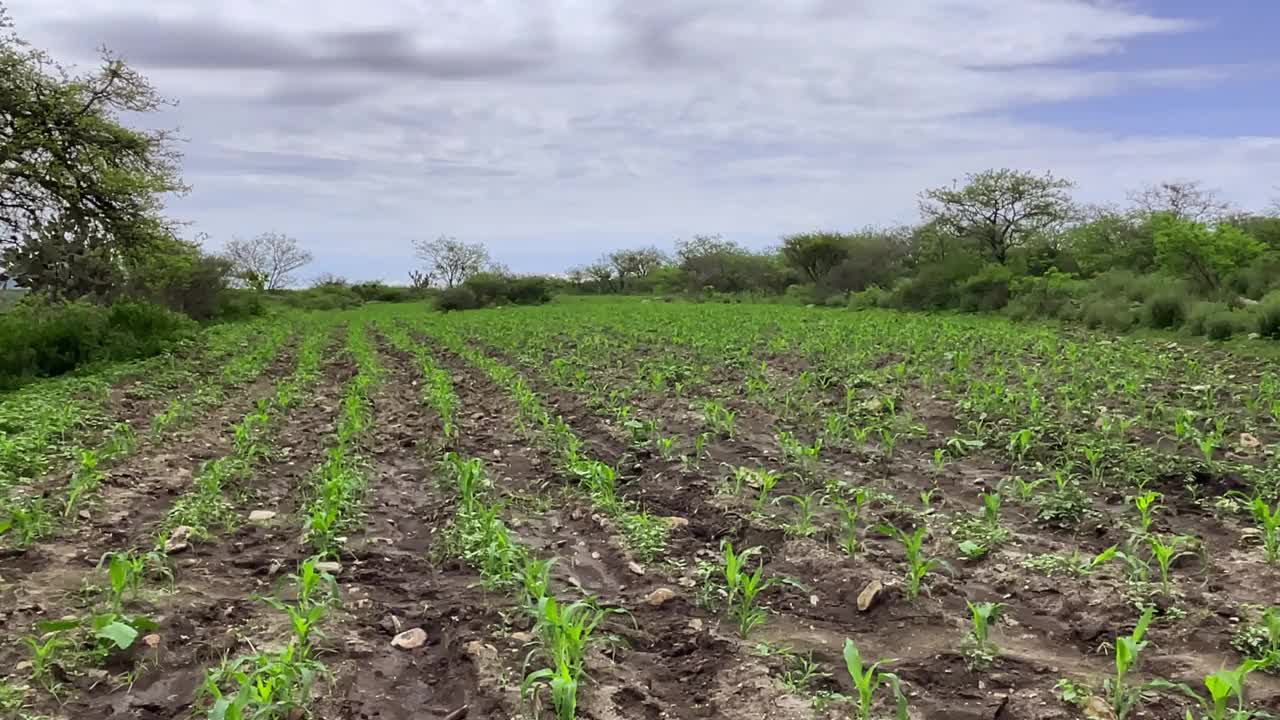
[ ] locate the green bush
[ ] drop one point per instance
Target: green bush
(1267, 314)
(1199, 313)
(531, 290)
(1052, 295)
(986, 291)
(1109, 314)
(381, 292)
(1221, 325)
(39, 339)
(873, 297)
(457, 298)
(1164, 310)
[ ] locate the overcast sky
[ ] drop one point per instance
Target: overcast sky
(553, 130)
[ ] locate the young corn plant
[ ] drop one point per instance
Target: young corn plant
(1123, 694)
(1268, 519)
(1166, 553)
(850, 510)
(565, 634)
(867, 679)
(1147, 504)
(743, 588)
(919, 565)
(719, 419)
(981, 651)
(1224, 687)
(765, 481)
(804, 505)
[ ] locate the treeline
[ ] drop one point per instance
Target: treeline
(1174, 256)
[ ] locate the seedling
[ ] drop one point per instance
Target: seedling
(849, 513)
(1166, 553)
(867, 679)
(1147, 504)
(1268, 520)
(981, 651)
(918, 565)
(766, 481)
(804, 505)
(743, 588)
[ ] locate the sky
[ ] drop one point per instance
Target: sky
(553, 131)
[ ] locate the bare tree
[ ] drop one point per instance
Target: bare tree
(268, 261)
(635, 263)
(1185, 200)
(1001, 209)
(419, 279)
(451, 261)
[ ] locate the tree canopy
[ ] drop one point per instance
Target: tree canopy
(1000, 209)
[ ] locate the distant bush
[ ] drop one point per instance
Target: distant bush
(1052, 295)
(1199, 313)
(1109, 314)
(381, 292)
(873, 297)
(457, 298)
(1268, 316)
(485, 289)
(329, 296)
(1164, 310)
(39, 339)
(1221, 325)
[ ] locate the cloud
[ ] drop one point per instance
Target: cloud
(557, 128)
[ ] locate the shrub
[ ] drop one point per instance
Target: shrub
(1108, 314)
(1052, 295)
(381, 292)
(1268, 316)
(873, 297)
(1164, 310)
(40, 339)
(1221, 325)
(529, 290)
(1199, 313)
(457, 298)
(987, 291)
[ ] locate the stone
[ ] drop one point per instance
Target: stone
(659, 597)
(261, 515)
(410, 639)
(329, 566)
(676, 522)
(1250, 441)
(152, 640)
(867, 598)
(1097, 709)
(179, 539)
(635, 567)
(523, 638)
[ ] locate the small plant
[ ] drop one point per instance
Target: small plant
(850, 510)
(1121, 693)
(867, 679)
(743, 588)
(766, 481)
(719, 419)
(1224, 686)
(1260, 640)
(1268, 520)
(1066, 505)
(981, 651)
(1146, 503)
(804, 505)
(646, 535)
(918, 564)
(1075, 565)
(1165, 553)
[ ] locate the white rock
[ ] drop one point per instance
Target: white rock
(410, 639)
(261, 515)
(635, 567)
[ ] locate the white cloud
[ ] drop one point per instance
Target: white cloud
(536, 122)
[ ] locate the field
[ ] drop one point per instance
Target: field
(636, 510)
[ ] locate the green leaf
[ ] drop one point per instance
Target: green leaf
(52, 626)
(119, 633)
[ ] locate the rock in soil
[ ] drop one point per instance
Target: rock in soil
(179, 539)
(261, 515)
(676, 522)
(410, 639)
(328, 566)
(867, 598)
(659, 597)
(635, 567)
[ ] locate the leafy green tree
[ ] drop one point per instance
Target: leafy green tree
(71, 174)
(1203, 254)
(635, 263)
(815, 254)
(1105, 239)
(999, 209)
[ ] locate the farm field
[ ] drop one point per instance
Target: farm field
(626, 509)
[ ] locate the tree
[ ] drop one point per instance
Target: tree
(1000, 209)
(816, 253)
(1204, 255)
(419, 279)
(1184, 200)
(601, 273)
(451, 261)
(635, 263)
(268, 261)
(1104, 238)
(66, 161)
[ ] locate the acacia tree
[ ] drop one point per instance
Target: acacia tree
(1001, 209)
(816, 253)
(268, 261)
(1184, 200)
(636, 263)
(451, 261)
(69, 168)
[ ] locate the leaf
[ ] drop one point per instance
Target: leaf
(53, 626)
(119, 633)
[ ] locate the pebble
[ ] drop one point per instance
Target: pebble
(635, 567)
(660, 597)
(261, 515)
(328, 566)
(410, 639)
